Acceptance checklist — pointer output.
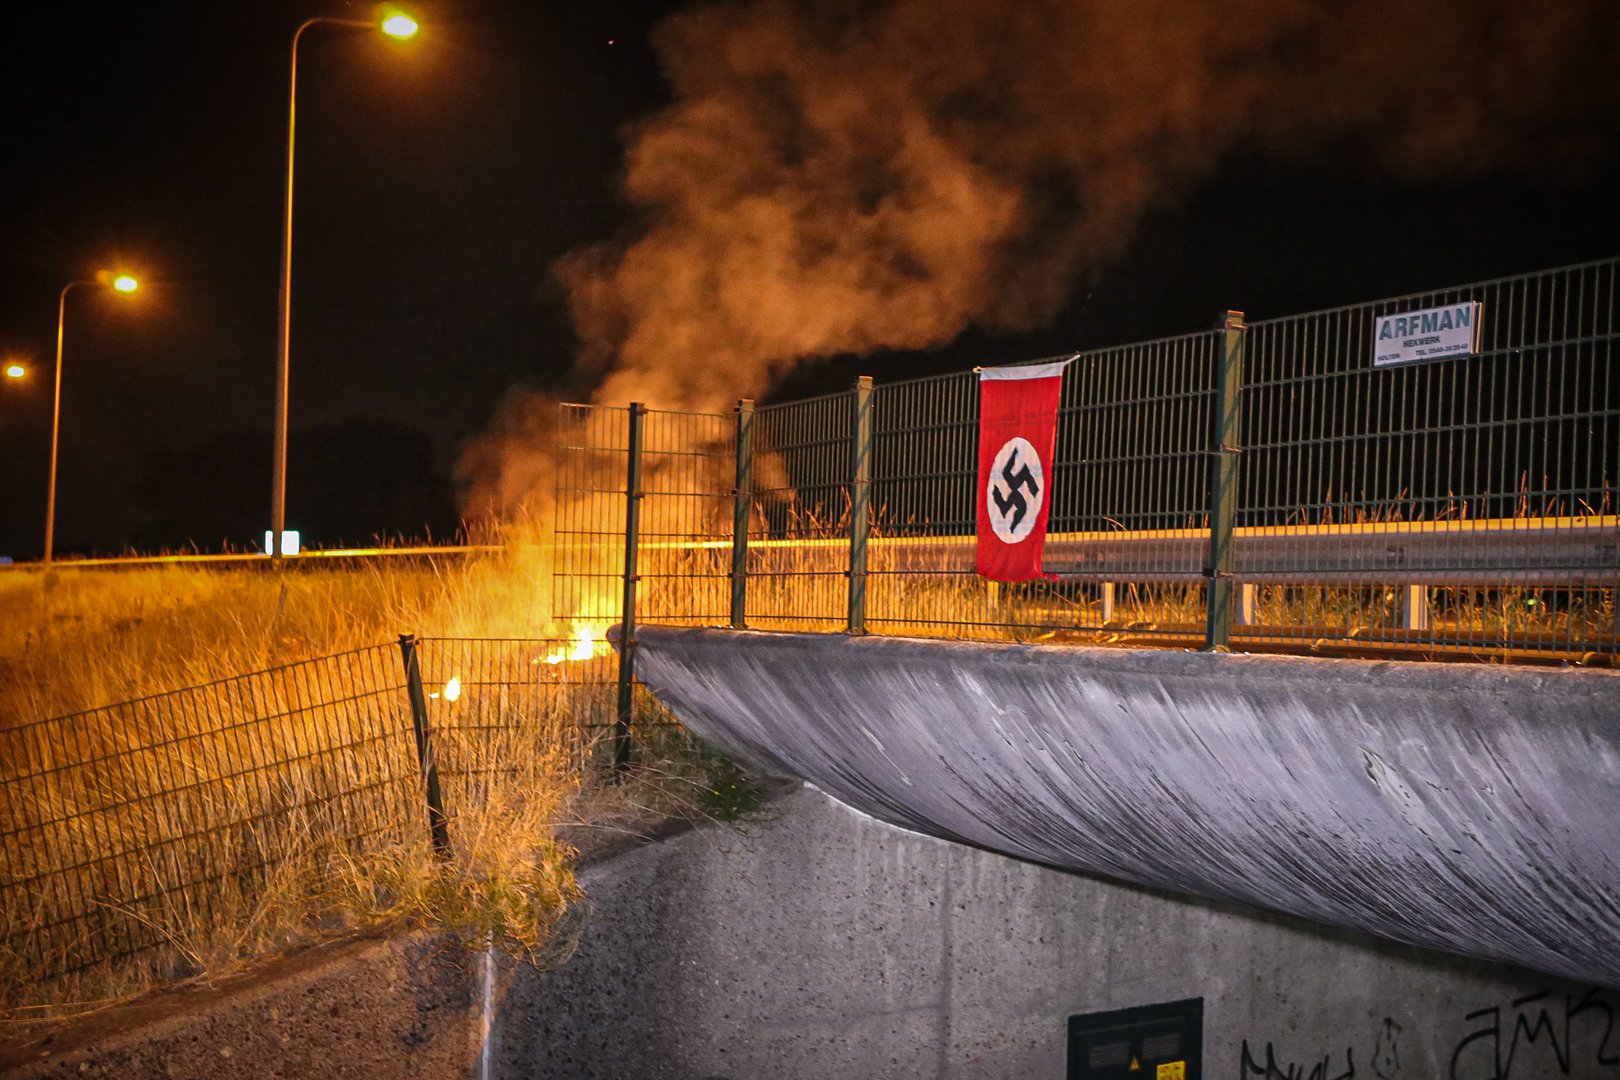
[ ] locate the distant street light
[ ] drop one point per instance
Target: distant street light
(16, 371)
(121, 283)
(396, 24)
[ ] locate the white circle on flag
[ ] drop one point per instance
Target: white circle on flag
(1016, 490)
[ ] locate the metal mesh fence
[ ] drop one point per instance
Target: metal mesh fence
(1127, 537)
(154, 837)
(1463, 503)
(593, 454)
(798, 530)
(688, 469)
(1263, 486)
(684, 466)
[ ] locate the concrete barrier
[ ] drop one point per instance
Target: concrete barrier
(824, 944)
(1467, 808)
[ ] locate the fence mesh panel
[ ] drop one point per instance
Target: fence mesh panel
(798, 533)
(146, 837)
(1464, 503)
(592, 462)
(1126, 540)
(127, 828)
(688, 472)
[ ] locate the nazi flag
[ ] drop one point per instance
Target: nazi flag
(1017, 433)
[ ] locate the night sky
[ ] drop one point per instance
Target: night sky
(437, 183)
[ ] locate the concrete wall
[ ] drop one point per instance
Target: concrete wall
(824, 944)
(1469, 808)
(821, 943)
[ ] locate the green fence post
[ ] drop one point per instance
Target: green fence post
(627, 625)
(860, 501)
(1223, 481)
(742, 500)
(437, 822)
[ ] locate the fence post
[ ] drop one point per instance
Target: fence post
(627, 624)
(1223, 480)
(439, 824)
(860, 500)
(743, 499)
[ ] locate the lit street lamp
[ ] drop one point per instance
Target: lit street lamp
(396, 24)
(15, 370)
(121, 283)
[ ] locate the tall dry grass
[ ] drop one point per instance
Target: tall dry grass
(75, 639)
(179, 836)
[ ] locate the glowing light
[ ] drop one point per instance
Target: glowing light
(15, 371)
(125, 284)
(289, 542)
(396, 24)
(452, 689)
(588, 642)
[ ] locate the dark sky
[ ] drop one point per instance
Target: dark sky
(437, 183)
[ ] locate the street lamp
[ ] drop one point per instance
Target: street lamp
(121, 283)
(400, 26)
(15, 370)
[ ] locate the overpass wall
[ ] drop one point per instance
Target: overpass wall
(816, 943)
(821, 944)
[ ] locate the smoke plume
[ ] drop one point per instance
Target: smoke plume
(842, 176)
(839, 176)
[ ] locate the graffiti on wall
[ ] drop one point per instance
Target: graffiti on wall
(1564, 1031)
(1537, 1035)
(1324, 1068)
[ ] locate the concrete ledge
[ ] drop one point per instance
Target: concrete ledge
(1467, 809)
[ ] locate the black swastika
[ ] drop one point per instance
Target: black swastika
(1014, 499)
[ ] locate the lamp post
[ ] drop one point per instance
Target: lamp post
(121, 283)
(396, 24)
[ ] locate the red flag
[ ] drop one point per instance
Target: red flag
(1017, 434)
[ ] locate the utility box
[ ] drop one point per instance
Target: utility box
(1147, 1042)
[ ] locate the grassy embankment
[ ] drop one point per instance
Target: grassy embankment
(324, 835)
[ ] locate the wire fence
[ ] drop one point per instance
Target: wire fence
(1294, 483)
(159, 836)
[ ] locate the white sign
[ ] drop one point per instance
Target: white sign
(289, 542)
(1431, 334)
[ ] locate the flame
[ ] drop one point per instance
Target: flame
(452, 689)
(589, 641)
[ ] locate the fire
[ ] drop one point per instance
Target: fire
(589, 641)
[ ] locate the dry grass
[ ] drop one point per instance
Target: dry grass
(77, 639)
(180, 837)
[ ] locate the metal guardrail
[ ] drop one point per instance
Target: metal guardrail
(1543, 552)
(243, 558)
